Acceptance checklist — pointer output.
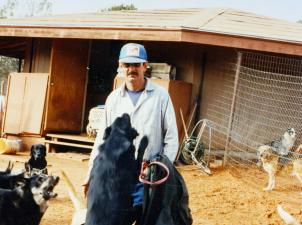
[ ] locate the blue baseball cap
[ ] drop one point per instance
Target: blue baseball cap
(133, 53)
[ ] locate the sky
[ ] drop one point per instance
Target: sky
(290, 10)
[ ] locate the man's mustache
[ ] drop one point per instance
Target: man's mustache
(132, 73)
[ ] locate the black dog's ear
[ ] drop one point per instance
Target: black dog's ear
(141, 149)
(107, 133)
(27, 167)
(19, 185)
(132, 133)
(9, 167)
(44, 171)
(32, 150)
(43, 148)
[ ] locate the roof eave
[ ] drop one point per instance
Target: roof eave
(175, 34)
(111, 33)
(242, 41)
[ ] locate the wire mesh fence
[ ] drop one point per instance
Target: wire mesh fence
(257, 108)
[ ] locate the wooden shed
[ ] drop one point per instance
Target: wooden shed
(70, 61)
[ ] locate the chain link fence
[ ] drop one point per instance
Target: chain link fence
(260, 98)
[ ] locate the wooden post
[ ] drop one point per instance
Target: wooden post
(227, 142)
(2, 105)
(2, 88)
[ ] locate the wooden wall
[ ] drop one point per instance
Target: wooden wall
(41, 55)
(37, 56)
(188, 58)
(67, 85)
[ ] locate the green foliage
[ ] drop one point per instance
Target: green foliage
(121, 7)
(7, 65)
(299, 21)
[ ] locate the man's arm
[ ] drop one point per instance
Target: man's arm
(170, 132)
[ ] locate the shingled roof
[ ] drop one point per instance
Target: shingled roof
(214, 26)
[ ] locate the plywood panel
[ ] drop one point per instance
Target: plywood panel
(13, 112)
(34, 98)
(67, 85)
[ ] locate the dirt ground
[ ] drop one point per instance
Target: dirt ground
(230, 196)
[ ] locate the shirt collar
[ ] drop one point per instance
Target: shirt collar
(148, 87)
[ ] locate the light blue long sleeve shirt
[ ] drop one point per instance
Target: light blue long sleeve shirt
(153, 116)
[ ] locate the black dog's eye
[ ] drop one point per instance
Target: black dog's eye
(40, 179)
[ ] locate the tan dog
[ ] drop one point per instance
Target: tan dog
(286, 217)
(270, 165)
(269, 161)
(297, 165)
(79, 215)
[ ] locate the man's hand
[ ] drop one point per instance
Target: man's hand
(86, 182)
(85, 188)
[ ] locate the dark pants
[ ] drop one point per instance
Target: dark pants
(136, 214)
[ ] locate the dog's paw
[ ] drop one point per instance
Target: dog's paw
(292, 174)
(267, 189)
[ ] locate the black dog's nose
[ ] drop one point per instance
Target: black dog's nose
(56, 178)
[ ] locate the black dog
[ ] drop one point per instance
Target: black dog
(166, 203)
(10, 181)
(37, 162)
(8, 170)
(27, 202)
(114, 175)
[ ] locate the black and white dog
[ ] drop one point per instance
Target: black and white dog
(27, 202)
(280, 147)
(114, 175)
(283, 145)
(37, 163)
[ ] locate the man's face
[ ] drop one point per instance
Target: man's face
(134, 71)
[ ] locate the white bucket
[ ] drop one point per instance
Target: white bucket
(10, 146)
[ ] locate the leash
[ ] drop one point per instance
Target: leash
(142, 177)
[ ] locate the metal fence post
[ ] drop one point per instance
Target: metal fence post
(227, 142)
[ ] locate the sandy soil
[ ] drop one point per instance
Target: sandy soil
(230, 196)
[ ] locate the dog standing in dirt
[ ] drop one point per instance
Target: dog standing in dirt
(297, 164)
(37, 163)
(27, 202)
(114, 175)
(297, 172)
(269, 162)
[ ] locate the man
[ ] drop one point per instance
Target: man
(149, 107)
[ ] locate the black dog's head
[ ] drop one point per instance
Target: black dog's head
(121, 126)
(38, 188)
(42, 186)
(38, 151)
